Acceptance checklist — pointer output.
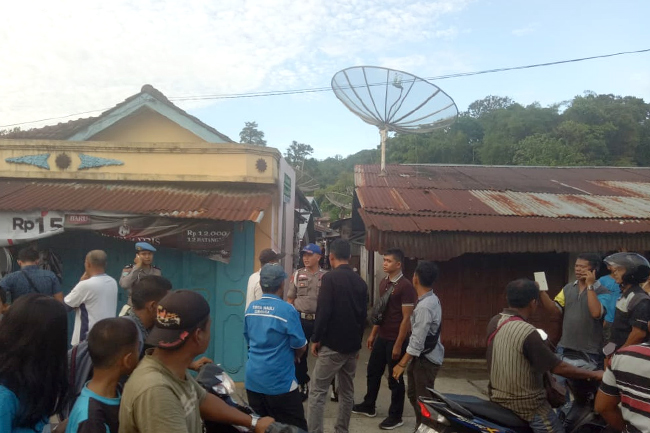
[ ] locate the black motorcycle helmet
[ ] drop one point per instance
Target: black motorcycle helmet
(637, 267)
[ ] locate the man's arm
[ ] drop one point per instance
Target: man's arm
(324, 308)
(129, 277)
(404, 328)
(250, 288)
(293, 291)
(76, 297)
(607, 407)
(567, 370)
(550, 305)
(608, 398)
(595, 307)
(639, 318)
(58, 297)
(214, 409)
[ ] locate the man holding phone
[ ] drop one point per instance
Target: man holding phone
(581, 309)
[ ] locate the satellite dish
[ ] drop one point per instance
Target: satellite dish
(6, 262)
(336, 201)
(393, 101)
(305, 182)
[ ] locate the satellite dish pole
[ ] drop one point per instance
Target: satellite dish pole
(394, 101)
(383, 133)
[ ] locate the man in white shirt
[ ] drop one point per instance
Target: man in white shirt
(94, 298)
(254, 290)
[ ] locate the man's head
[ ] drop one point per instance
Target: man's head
(27, 256)
(340, 252)
(95, 262)
(145, 251)
(113, 344)
(269, 256)
(182, 323)
(311, 255)
(272, 278)
(426, 273)
(393, 259)
(522, 294)
(585, 263)
(145, 296)
(628, 268)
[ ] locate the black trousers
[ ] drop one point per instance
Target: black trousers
(421, 375)
(285, 408)
(302, 375)
(381, 357)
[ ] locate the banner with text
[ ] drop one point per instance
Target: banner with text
(20, 227)
(211, 239)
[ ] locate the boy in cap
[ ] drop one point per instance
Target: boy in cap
(113, 347)
(160, 395)
(142, 265)
(254, 290)
(303, 294)
(276, 340)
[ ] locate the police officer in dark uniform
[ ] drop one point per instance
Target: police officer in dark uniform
(303, 294)
(142, 265)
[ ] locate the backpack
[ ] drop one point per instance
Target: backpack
(80, 371)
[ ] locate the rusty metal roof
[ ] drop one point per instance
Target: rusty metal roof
(479, 199)
(218, 203)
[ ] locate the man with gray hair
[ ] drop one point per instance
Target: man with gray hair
(93, 298)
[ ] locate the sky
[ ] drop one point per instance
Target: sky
(84, 56)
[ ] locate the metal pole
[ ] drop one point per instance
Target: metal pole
(383, 133)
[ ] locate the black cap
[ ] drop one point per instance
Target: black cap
(268, 255)
(179, 313)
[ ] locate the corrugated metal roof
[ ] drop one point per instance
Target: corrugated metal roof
(434, 201)
(181, 202)
(554, 180)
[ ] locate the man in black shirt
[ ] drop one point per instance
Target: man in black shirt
(633, 307)
(338, 331)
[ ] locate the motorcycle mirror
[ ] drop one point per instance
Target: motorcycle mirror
(542, 334)
(609, 349)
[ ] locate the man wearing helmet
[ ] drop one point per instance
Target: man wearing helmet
(630, 326)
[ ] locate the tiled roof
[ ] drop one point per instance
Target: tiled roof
(63, 131)
(229, 204)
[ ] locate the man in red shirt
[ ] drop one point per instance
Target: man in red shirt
(388, 341)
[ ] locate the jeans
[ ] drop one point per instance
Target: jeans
(301, 368)
(328, 364)
(546, 421)
(285, 408)
(380, 357)
(421, 375)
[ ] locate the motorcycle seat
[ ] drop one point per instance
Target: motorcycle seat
(489, 411)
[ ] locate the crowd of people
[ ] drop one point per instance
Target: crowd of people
(132, 373)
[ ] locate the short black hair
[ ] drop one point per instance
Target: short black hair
(341, 249)
(396, 253)
(3, 296)
(109, 339)
(28, 254)
(149, 288)
(427, 273)
(521, 292)
(593, 259)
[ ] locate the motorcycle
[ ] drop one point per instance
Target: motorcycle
(451, 413)
(216, 381)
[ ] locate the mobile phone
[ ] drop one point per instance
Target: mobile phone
(540, 278)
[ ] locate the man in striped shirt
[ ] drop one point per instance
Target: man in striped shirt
(627, 382)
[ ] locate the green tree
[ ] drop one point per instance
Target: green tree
(297, 153)
(251, 135)
(488, 104)
(546, 150)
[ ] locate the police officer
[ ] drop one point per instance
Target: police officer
(303, 294)
(142, 265)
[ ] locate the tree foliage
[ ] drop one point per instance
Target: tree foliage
(591, 129)
(251, 135)
(297, 153)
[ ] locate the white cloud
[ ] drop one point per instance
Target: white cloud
(76, 55)
(523, 31)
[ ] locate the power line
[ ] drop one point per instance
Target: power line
(327, 89)
(439, 77)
